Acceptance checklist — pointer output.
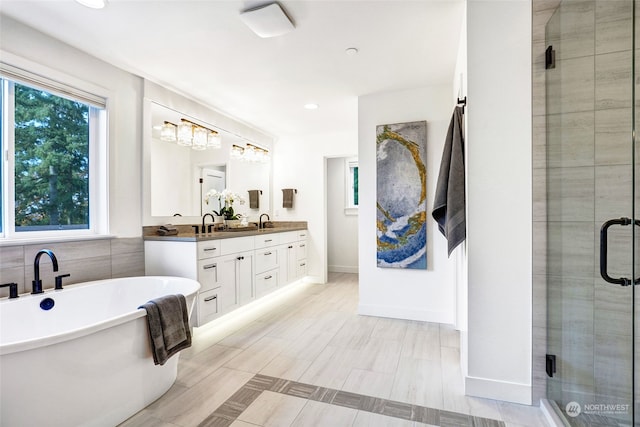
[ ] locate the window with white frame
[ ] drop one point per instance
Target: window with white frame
(351, 190)
(51, 138)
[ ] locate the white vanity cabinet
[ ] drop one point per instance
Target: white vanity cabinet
(194, 260)
(293, 256)
(232, 271)
(267, 263)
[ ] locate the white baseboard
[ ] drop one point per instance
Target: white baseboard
(498, 390)
(343, 269)
(405, 313)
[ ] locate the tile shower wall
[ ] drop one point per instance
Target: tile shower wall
(85, 260)
(581, 178)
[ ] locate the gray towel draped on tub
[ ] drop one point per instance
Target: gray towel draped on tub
(168, 321)
(449, 202)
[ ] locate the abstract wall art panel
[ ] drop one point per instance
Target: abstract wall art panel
(401, 195)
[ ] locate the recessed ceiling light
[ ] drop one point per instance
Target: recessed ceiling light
(351, 51)
(311, 106)
(93, 4)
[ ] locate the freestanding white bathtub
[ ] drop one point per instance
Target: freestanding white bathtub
(86, 361)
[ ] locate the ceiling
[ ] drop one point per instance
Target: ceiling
(203, 49)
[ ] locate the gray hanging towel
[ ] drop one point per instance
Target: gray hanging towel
(449, 202)
(287, 198)
(254, 199)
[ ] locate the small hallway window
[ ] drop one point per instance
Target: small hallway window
(351, 205)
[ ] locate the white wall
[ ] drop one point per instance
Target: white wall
(342, 228)
(124, 107)
(499, 199)
(461, 255)
(427, 295)
(300, 163)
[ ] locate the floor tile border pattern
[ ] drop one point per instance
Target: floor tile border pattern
(230, 410)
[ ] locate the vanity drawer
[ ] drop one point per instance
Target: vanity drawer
(207, 306)
(301, 268)
(208, 249)
(267, 240)
(289, 237)
(266, 259)
(236, 244)
(208, 274)
(266, 282)
(301, 250)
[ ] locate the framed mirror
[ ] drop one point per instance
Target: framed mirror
(180, 169)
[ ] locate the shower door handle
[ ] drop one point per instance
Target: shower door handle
(622, 281)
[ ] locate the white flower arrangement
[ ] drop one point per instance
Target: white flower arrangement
(229, 197)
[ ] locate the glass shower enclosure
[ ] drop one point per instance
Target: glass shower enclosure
(592, 221)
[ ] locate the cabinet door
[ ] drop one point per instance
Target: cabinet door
(244, 277)
(227, 295)
(292, 267)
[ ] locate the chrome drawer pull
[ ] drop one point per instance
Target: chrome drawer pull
(290, 247)
(211, 298)
(268, 277)
(303, 264)
(302, 246)
(268, 253)
(209, 249)
(207, 267)
(267, 241)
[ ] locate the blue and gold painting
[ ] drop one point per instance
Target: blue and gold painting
(401, 195)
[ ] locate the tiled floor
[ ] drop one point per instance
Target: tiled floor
(305, 358)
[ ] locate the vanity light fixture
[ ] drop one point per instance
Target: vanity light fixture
(237, 152)
(214, 140)
(199, 138)
(190, 134)
(251, 153)
(185, 133)
(168, 132)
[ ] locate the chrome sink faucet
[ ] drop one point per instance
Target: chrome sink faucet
(37, 283)
(260, 223)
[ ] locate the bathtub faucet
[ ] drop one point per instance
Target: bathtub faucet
(37, 283)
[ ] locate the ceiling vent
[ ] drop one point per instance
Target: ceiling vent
(267, 21)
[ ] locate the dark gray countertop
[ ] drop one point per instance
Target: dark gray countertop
(186, 236)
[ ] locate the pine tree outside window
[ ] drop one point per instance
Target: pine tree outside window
(50, 172)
